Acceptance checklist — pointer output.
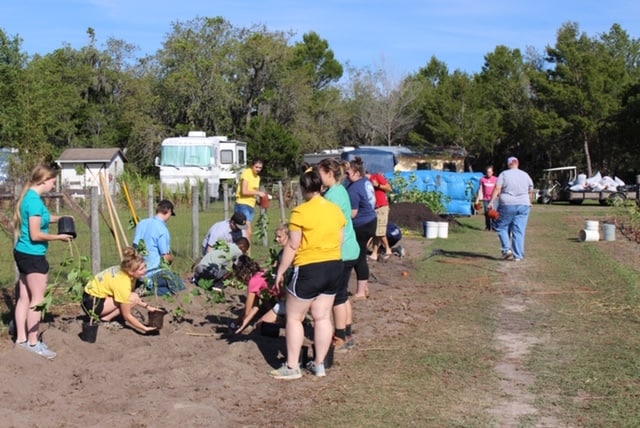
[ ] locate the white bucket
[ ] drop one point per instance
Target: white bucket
(443, 229)
(591, 225)
(609, 231)
(588, 235)
(430, 229)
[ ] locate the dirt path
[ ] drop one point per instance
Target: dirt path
(514, 339)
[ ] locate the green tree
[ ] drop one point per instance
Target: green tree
(275, 145)
(582, 91)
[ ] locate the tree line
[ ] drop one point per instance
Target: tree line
(574, 103)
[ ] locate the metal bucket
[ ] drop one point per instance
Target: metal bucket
(609, 231)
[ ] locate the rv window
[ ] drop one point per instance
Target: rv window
(197, 156)
(226, 157)
(186, 156)
(241, 157)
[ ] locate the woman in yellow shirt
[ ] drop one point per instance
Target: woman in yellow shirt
(314, 248)
(248, 190)
(110, 293)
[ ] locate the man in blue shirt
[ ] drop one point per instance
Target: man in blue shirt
(157, 250)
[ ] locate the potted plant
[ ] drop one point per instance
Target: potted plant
(90, 328)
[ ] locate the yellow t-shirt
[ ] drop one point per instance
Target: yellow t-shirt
(253, 182)
(111, 282)
(321, 223)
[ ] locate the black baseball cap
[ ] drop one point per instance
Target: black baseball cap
(240, 220)
(165, 205)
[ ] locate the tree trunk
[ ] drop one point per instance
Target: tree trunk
(587, 155)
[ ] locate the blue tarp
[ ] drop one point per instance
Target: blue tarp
(460, 187)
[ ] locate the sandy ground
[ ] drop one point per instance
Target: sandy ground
(192, 374)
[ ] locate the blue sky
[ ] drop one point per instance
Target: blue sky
(398, 35)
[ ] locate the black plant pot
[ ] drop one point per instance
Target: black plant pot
(89, 332)
(156, 318)
(270, 329)
(66, 226)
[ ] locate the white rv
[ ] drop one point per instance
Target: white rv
(187, 161)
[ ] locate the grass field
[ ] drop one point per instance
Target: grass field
(581, 306)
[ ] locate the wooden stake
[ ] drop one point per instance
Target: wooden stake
(105, 191)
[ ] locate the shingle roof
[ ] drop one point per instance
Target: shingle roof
(90, 155)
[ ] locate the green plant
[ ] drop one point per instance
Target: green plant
(76, 277)
(262, 224)
(406, 190)
(93, 315)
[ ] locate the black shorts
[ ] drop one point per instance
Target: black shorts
(310, 281)
(92, 304)
(342, 293)
(28, 263)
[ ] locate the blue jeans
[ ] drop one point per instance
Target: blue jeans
(247, 210)
(489, 224)
(511, 228)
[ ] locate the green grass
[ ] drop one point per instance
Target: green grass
(581, 303)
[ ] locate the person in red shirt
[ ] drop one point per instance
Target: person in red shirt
(381, 187)
(487, 184)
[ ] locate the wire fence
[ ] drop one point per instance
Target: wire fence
(106, 224)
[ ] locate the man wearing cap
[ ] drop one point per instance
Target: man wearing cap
(157, 249)
(514, 191)
(226, 230)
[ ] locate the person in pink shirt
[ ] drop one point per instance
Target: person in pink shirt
(487, 184)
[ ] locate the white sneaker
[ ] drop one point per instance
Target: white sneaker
(317, 370)
(39, 348)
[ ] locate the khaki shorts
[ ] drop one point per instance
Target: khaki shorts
(382, 214)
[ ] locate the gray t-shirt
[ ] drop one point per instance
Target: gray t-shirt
(516, 187)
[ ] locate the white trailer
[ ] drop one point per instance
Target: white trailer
(196, 158)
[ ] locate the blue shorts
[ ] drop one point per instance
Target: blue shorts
(246, 210)
(310, 281)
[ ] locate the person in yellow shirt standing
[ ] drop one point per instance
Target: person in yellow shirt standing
(248, 190)
(314, 249)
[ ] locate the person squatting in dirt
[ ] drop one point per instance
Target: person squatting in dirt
(257, 280)
(227, 230)
(111, 293)
(314, 249)
(152, 239)
(217, 264)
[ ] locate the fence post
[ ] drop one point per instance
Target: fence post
(151, 204)
(225, 193)
(207, 196)
(281, 199)
(95, 230)
(195, 220)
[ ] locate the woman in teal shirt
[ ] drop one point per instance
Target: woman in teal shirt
(331, 173)
(31, 226)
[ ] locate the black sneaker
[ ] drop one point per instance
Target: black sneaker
(507, 255)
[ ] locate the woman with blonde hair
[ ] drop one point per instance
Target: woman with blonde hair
(31, 231)
(110, 293)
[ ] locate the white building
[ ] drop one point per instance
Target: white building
(81, 168)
